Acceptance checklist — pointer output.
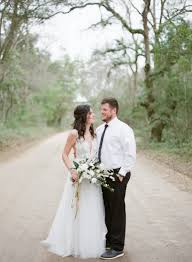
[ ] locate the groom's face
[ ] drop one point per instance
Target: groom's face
(107, 112)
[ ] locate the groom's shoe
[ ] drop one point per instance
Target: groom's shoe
(112, 254)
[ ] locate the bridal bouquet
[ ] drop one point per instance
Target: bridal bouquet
(93, 171)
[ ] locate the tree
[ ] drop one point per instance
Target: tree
(148, 34)
(172, 87)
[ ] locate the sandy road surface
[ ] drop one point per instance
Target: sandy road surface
(159, 208)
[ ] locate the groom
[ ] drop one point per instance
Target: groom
(117, 151)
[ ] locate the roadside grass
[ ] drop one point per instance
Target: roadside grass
(176, 156)
(11, 137)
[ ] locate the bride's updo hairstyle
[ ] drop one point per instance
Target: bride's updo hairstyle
(80, 115)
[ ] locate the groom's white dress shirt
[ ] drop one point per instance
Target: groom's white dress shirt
(119, 147)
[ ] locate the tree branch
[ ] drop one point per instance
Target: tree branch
(122, 20)
(72, 9)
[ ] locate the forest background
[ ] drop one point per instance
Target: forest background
(148, 69)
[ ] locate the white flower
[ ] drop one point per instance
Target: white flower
(84, 167)
(91, 172)
(101, 166)
(94, 180)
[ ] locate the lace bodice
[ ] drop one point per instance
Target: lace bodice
(86, 149)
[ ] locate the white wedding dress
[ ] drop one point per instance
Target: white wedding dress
(81, 235)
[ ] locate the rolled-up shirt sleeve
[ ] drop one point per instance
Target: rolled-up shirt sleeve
(128, 143)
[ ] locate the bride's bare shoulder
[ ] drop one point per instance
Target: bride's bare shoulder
(71, 138)
(73, 134)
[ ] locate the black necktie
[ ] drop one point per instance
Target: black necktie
(101, 143)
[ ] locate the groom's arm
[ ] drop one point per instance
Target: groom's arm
(128, 143)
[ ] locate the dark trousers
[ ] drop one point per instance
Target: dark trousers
(115, 214)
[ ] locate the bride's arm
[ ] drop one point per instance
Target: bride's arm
(71, 142)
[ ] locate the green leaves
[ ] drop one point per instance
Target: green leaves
(75, 164)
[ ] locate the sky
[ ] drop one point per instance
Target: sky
(69, 34)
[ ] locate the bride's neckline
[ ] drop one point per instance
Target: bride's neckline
(89, 142)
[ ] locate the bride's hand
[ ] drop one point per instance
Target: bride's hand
(74, 175)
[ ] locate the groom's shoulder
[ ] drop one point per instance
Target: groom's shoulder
(125, 126)
(99, 127)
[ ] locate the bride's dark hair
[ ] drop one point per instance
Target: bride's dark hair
(80, 115)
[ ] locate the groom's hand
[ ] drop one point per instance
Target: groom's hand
(120, 178)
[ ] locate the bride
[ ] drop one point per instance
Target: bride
(79, 232)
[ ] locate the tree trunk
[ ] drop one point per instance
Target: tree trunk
(158, 126)
(157, 131)
(9, 41)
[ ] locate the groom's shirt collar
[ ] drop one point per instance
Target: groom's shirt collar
(112, 122)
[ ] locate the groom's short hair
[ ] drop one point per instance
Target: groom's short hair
(112, 102)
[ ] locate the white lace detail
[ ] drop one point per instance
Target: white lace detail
(86, 149)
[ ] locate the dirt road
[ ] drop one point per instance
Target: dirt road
(159, 208)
